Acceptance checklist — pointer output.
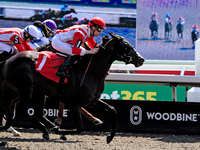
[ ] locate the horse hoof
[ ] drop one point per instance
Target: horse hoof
(56, 122)
(55, 129)
(3, 142)
(45, 137)
(17, 134)
(109, 139)
(97, 122)
(63, 137)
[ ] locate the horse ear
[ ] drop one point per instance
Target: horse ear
(112, 34)
(105, 38)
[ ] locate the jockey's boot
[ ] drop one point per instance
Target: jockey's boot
(62, 70)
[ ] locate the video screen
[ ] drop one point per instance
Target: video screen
(128, 1)
(167, 29)
(102, 1)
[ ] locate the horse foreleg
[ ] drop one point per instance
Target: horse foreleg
(113, 112)
(25, 96)
(58, 121)
(90, 117)
(15, 132)
(11, 129)
(76, 114)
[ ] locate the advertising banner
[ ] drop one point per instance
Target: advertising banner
(132, 116)
(142, 92)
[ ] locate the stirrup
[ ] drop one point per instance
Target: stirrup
(62, 74)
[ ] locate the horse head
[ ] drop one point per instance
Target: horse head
(73, 10)
(125, 51)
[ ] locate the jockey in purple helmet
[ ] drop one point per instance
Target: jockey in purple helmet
(47, 29)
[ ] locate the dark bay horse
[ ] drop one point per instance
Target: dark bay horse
(168, 29)
(20, 79)
(194, 36)
(154, 29)
(51, 15)
(37, 98)
(180, 29)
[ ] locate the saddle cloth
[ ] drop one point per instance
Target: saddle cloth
(48, 64)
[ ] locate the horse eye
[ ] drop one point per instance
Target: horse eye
(125, 45)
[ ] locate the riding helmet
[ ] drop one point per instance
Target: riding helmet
(50, 25)
(98, 21)
(168, 15)
(32, 30)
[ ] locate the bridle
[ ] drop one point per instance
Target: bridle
(127, 59)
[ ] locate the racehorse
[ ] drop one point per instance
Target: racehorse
(20, 77)
(66, 23)
(168, 29)
(195, 36)
(52, 14)
(154, 29)
(180, 29)
(89, 116)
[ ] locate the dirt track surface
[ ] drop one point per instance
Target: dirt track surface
(32, 140)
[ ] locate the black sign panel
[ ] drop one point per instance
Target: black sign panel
(133, 116)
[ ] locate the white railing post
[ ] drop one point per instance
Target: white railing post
(193, 95)
(197, 57)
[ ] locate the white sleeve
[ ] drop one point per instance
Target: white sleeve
(83, 51)
(45, 40)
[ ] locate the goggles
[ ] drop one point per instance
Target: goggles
(99, 29)
(49, 31)
(31, 37)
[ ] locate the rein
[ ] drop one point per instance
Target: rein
(124, 57)
(87, 66)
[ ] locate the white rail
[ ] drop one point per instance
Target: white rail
(26, 12)
(168, 80)
(160, 65)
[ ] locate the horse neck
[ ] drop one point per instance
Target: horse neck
(100, 63)
(104, 59)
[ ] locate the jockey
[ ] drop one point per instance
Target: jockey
(168, 18)
(194, 28)
(46, 29)
(82, 21)
(65, 8)
(15, 40)
(46, 12)
(181, 20)
(168, 24)
(194, 33)
(69, 40)
(66, 17)
(154, 16)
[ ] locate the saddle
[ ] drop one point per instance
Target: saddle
(48, 64)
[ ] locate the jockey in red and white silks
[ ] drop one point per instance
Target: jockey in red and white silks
(69, 40)
(15, 40)
(10, 37)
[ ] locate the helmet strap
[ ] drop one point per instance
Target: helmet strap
(25, 37)
(93, 31)
(47, 31)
